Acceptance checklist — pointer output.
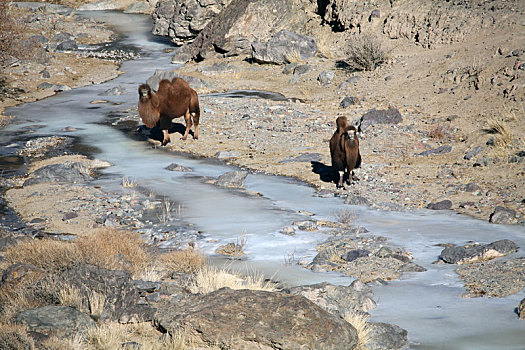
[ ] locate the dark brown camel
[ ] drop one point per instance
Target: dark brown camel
(173, 99)
(344, 150)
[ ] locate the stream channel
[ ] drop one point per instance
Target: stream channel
(427, 304)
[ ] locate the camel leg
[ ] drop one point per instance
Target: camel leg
(196, 125)
(187, 118)
(341, 177)
(166, 137)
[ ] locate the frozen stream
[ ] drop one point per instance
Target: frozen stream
(427, 304)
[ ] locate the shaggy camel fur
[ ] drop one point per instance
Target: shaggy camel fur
(173, 99)
(344, 150)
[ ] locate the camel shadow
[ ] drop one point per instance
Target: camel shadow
(156, 132)
(325, 172)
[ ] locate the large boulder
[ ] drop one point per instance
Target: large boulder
(477, 252)
(282, 46)
(242, 22)
(384, 336)
(247, 319)
(338, 300)
(380, 116)
(182, 20)
(61, 321)
(75, 172)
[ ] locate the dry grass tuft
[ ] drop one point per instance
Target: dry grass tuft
(502, 132)
(55, 343)
(293, 56)
(365, 52)
(210, 278)
(359, 322)
(96, 303)
(115, 250)
(112, 335)
(49, 255)
(128, 182)
(187, 260)
(71, 296)
(15, 337)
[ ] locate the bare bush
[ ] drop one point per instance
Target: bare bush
(360, 323)
(365, 52)
(210, 279)
(13, 43)
(186, 261)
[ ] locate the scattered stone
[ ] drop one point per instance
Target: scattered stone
(232, 249)
(502, 215)
(349, 101)
(384, 336)
(355, 254)
(70, 173)
(115, 91)
(496, 278)
(374, 116)
(338, 300)
(69, 216)
(60, 321)
(306, 225)
(232, 179)
(289, 231)
(305, 157)
(440, 150)
(281, 46)
(248, 319)
(477, 252)
(521, 309)
(473, 152)
(145, 287)
(227, 154)
(178, 168)
(68, 45)
(356, 200)
(45, 74)
(472, 187)
(442, 205)
(326, 77)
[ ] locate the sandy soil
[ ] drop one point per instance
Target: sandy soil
(448, 95)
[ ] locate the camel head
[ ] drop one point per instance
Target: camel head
(144, 92)
(342, 123)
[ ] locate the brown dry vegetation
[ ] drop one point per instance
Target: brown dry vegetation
(186, 260)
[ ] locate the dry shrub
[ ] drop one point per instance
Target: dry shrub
(438, 132)
(15, 337)
(210, 278)
(47, 254)
(345, 216)
(115, 250)
(293, 56)
(359, 322)
(188, 260)
(365, 52)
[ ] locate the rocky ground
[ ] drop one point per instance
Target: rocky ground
(445, 152)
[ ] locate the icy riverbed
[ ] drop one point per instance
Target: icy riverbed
(428, 304)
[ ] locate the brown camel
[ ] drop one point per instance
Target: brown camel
(344, 150)
(173, 99)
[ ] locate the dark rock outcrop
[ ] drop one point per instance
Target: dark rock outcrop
(439, 150)
(384, 336)
(242, 22)
(441, 205)
(375, 116)
(247, 319)
(233, 179)
(282, 46)
(502, 215)
(71, 173)
(338, 300)
(61, 321)
(120, 292)
(477, 252)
